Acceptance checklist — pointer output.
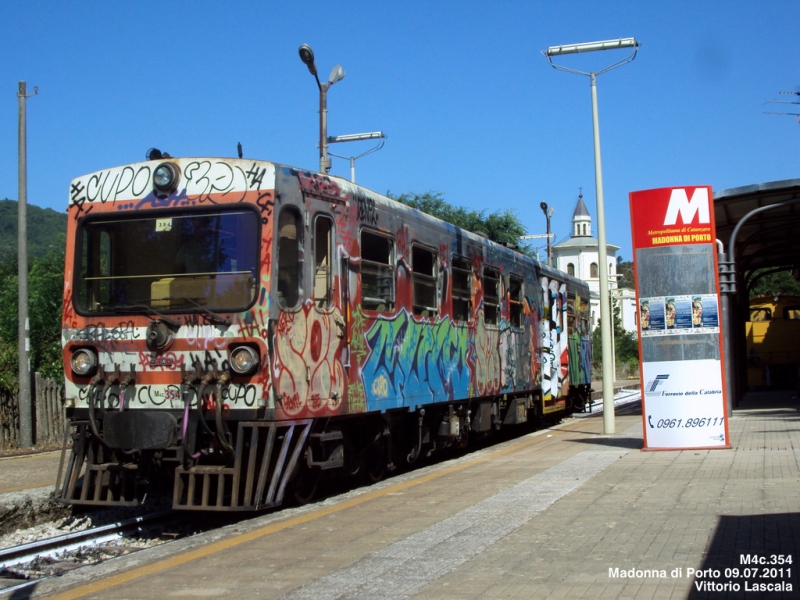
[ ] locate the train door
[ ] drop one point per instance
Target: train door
(554, 344)
(307, 325)
(520, 373)
(374, 333)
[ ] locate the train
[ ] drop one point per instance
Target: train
(236, 329)
(772, 331)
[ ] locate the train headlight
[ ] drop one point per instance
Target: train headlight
(244, 360)
(83, 362)
(165, 178)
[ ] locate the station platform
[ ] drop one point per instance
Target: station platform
(565, 512)
(28, 471)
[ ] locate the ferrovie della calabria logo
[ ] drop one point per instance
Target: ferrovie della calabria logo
(651, 389)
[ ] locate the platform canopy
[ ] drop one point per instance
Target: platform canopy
(768, 239)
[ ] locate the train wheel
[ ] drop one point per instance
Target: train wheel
(305, 483)
(375, 461)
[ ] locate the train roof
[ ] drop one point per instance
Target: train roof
(775, 300)
(106, 184)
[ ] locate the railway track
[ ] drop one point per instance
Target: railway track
(76, 539)
(53, 556)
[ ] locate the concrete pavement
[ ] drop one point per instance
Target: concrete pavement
(562, 513)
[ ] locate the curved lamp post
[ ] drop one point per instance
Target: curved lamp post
(548, 213)
(307, 56)
(605, 311)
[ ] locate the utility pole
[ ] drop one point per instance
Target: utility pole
(24, 396)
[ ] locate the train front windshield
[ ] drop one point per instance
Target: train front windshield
(178, 261)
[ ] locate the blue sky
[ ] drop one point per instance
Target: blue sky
(471, 107)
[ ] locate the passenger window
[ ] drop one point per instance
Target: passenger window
(323, 261)
(515, 315)
(491, 295)
(571, 314)
(791, 313)
(290, 258)
(377, 272)
(424, 277)
(760, 314)
(462, 289)
(584, 314)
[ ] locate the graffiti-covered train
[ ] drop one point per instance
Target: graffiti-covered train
(234, 328)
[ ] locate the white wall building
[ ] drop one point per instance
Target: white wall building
(578, 256)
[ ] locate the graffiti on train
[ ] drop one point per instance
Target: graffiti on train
(554, 339)
(413, 363)
(308, 374)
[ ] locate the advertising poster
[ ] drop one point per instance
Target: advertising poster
(710, 310)
(677, 290)
(679, 315)
(683, 312)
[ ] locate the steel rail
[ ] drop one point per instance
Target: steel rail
(96, 535)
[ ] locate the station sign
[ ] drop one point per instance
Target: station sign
(680, 337)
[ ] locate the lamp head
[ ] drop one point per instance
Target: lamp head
(307, 56)
(543, 206)
(337, 74)
(592, 46)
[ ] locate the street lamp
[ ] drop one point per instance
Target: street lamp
(307, 56)
(548, 213)
(605, 311)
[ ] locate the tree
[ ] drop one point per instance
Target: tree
(625, 269)
(45, 297)
(626, 346)
(46, 244)
(44, 226)
(772, 284)
(501, 226)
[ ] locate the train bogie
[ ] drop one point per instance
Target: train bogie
(235, 329)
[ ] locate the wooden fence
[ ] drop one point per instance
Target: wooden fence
(48, 411)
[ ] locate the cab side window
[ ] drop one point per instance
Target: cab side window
(290, 258)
